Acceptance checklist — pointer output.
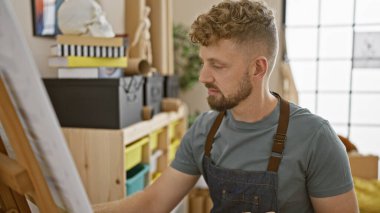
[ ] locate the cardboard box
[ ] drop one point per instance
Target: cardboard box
(364, 166)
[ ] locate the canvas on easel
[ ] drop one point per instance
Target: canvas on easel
(42, 167)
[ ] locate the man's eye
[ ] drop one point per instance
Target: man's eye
(217, 66)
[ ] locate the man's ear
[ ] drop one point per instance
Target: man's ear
(259, 67)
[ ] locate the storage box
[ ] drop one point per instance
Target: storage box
(154, 139)
(364, 166)
(154, 160)
(153, 92)
(172, 130)
(97, 103)
(171, 86)
(173, 149)
(136, 178)
(155, 176)
(133, 153)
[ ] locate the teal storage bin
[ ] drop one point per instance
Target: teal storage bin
(136, 178)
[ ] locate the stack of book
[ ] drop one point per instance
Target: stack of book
(89, 57)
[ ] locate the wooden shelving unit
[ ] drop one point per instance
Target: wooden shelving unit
(99, 153)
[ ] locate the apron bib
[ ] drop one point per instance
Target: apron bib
(234, 190)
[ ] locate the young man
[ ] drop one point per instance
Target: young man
(257, 152)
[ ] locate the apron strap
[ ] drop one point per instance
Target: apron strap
(278, 139)
(212, 132)
(280, 136)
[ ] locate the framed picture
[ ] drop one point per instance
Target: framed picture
(45, 17)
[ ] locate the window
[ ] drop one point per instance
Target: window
(334, 51)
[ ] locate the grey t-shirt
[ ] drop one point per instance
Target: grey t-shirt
(314, 161)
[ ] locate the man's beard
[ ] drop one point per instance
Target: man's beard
(224, 103)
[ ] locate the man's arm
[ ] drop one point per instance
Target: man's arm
(345, 202)
(162, 196)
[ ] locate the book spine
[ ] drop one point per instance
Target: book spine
(96, 62)
(73, 61)
(96, 72)
(65, 50)
(91, 41)
(78, 73)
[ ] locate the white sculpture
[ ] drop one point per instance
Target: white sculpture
(83, 17)
(142, 35)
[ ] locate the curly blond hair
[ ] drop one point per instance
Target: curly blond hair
(245, 22)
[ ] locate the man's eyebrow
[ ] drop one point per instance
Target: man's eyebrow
(217, 61)
(213, 60)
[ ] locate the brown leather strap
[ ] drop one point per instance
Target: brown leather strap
(280, 136)
(212, 132)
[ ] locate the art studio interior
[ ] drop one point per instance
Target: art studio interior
(106, 101)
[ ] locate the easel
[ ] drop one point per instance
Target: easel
(21, 177)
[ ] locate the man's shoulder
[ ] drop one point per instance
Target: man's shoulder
(302, 117)
(206, 119)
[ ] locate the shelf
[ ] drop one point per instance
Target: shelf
(159, 121)
(99, 153)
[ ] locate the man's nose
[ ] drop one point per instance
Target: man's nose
(205, 75)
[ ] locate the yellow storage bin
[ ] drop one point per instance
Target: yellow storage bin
(173, 149)
(171, 129)
(154, 139)
(133, 153)
(155, 176)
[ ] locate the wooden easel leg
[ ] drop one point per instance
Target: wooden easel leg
(10, 199)
(23, 151)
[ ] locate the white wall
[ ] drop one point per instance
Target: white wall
(39, 45)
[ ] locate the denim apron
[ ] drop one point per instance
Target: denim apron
(234, 190)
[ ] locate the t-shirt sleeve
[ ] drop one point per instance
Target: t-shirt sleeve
(328, 172)
(184, 160)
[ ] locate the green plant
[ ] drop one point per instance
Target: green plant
(186, 60)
